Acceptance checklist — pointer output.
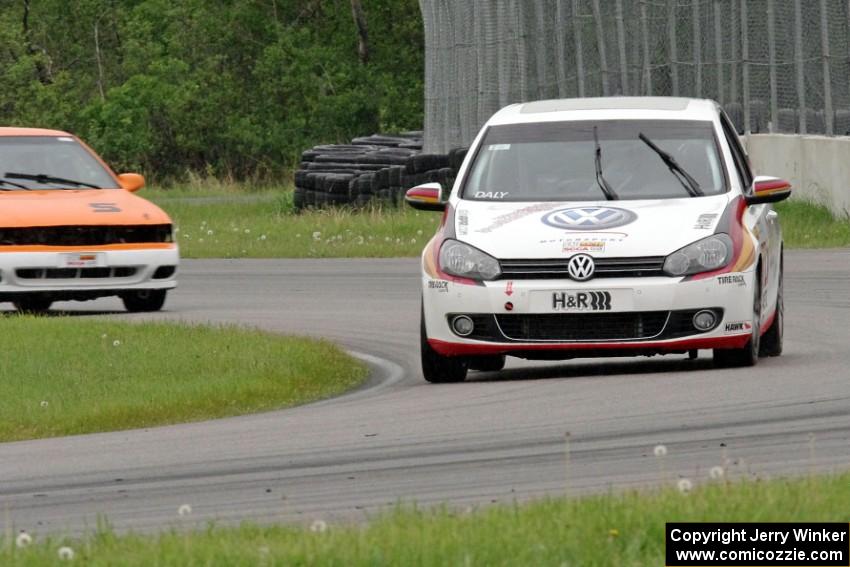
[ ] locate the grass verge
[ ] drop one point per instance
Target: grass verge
(223, 222)
(621, 529)
(807, 225)
(103, 375)
(263, 225)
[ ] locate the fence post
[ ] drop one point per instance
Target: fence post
(798, 58)
(718, 47)
(671, 36)
(644, 32)
(560, 38)
(697, 49)
(745, 66)
(621, 41)
(579, 55)
(600, 45)
(827, 79)
(733, 55)
(771, 56)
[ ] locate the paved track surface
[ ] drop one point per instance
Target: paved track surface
(493, 438)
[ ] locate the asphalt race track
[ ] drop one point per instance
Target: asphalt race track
(400, 439)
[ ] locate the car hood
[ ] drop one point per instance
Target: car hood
(599, 228)
(77, 207)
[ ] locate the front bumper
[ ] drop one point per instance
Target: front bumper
(614, 316)
(102, 271)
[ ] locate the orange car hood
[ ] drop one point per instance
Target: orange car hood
(72, 207)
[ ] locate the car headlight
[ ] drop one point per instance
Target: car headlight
(459, 259)
(702, 256)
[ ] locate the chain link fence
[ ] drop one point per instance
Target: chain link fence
(775, 65)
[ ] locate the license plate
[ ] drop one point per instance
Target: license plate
(82, 260)
(582, 301)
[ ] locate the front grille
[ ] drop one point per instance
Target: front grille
(583, 326)
(75, 273)
(85, 235)
(556, 268)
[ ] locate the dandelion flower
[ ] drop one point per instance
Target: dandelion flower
(103, 336)
(613, 532)
(66, 553)
(660, 450)
(44, 403)
(184, 510)
(116, 343)
(419, 232)
(187, 236)
(262, 237)
(684, 485)
(413, 241)
(318, 526)
(209, 233)
(23, 540)
(716, 472)
(317, 235)
(247, 231)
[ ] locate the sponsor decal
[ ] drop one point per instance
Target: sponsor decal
(509, 289)
(581, 301)
(579, 245)
(462, 222)
(105, 207)
(738, 327)
(705, 222)
(508, 218)
(584, 218)
(439, 285)
(731, 279)
(498, 147)
(491, 194)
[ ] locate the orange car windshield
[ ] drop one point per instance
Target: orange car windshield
(39, 163)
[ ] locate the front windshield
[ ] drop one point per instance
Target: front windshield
(49, 158)
(557, 161)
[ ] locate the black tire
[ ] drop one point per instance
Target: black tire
(299, 199)
(144, 300)
(421, 163)
(492, 363)
(436, 368)
(33, 304)
(749, 354)
(456, 157)
(771, 340)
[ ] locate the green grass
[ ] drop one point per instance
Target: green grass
(616, 530)
(226, 221)
(807, 225)
(224, 224)
(101, 375)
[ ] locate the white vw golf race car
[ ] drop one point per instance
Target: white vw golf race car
(598, 228)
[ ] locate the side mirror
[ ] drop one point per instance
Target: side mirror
(427, 197)
(131, 182)
(768, 190)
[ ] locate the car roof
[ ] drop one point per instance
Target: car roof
(15, 131)
(607, 108)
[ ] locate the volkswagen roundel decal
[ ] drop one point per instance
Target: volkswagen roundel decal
(589, 218)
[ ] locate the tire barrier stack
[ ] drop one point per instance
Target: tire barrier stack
(375, 169)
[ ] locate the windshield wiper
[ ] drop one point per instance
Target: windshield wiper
(13, 184)
(43, 178)
(688, 182)
(600, 179)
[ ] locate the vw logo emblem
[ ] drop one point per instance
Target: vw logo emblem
(588, 218)
(581, 267)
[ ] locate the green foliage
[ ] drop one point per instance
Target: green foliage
(229, 88)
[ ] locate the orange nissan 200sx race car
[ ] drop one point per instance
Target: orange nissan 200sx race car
(70, 229)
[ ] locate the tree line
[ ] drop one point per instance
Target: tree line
(228, 88)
